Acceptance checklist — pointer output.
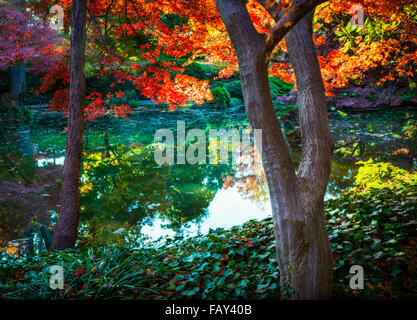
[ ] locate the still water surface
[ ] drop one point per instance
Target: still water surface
(122, 186)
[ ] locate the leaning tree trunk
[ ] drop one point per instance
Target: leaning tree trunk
(303, 249)
(67, 226)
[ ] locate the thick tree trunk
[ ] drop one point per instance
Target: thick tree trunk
(302, 244)
(67, 227)
(315, 166)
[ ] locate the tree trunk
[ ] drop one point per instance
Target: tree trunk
(303, 249)
(67, 227)
(17, 72)
(317, 149)
(17, 81)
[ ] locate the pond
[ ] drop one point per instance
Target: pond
(124, 192)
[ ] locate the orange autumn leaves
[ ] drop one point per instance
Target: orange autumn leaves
(339, 67)
(393, 51)
(201, 35)
(386, 44)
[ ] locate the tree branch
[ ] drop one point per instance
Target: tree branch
(297, 10)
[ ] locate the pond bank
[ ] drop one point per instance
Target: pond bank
(376, 230)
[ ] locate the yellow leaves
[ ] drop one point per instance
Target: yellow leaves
(288, 24)
(86, 187)
(269, 4)
(171, 283)
(11, 249)
(149, 272)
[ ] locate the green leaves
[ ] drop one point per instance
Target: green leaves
(228, 272)
(375, 229)
(378, 238)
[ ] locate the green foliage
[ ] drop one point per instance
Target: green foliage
(283, 110)
(279, 87)
(377, 230)
(221, 98)
(377, 175)
(103, 83)
(173, 20)
(4, 81)
(235, 102)
(234, 88)
(195, 70)
(18, 113)
(374, 229)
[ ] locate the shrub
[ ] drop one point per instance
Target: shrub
(195, 70)
(279, 87)
(221, 97)
(234, 88)
(378, 175)
(102, 85)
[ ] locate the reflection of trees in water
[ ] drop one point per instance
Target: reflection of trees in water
(358, 137)
(26, 193)
(123, 186)
(17, 157)
(133, 188)
(249, 178)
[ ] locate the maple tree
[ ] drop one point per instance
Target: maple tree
(25, 41)
(383, 52)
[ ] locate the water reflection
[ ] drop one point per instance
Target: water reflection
(122, 186)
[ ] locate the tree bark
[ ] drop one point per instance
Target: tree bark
(67, 227)
(314, 169)
(302, 244)
(17, 81)
(17, 72)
